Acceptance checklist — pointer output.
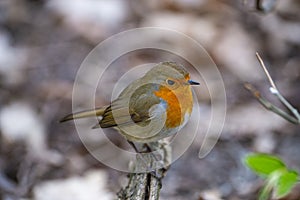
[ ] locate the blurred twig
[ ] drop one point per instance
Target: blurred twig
(22, 186)
(295, 118)
(7, 185)
(265, 5)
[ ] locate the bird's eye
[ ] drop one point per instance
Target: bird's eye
(170, 82)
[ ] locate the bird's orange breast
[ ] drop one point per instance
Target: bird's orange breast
(179, 103)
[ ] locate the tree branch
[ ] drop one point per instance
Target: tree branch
(147, 186)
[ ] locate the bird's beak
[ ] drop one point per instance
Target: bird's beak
(191, 82)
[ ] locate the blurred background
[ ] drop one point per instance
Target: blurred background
(43, 43)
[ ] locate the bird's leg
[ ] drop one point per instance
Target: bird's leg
(145, 160)
(140, 154)
(159, 159)
(148, 148)
(133, 146)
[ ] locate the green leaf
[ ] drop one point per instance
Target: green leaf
(263, 164)
(285, 183)
(279, 179)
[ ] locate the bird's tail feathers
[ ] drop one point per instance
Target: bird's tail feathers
(84, 114)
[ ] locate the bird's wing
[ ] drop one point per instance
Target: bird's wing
(130, 108)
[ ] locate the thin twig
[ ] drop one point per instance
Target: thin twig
(293, 110)
(268, 105)
(266, 71)
(273, 89)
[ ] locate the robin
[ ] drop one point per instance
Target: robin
(152, 107)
